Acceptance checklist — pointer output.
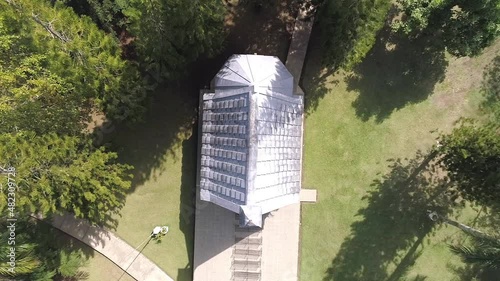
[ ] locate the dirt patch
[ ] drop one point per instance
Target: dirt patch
(265, 29)
(463, 75)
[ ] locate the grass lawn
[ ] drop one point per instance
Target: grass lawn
(163, 153)
(370, 221)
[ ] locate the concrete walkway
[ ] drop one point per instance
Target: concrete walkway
(273, 258)
(112, 247)
(298, 49)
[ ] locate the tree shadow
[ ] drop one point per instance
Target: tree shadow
(474, 273)
(491, 89)
(315, 76)
(394, 223)
(398, 71)
(146, 146)
(187, 201)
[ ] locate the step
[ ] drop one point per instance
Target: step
(247, 234)
(239, 266)
(246, 278)
(246, 257)
(248, 240)
(242, 246)
(247, 228)
(252, 252)
(249, 275)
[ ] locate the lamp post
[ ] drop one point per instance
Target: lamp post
(157, 233)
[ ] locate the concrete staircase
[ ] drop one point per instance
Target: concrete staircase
(247, 253)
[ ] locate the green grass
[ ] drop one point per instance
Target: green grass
(101, 268)
(163, 153)
(361, 229)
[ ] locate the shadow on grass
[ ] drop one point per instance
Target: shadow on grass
(474, 273)
(390, 234)
(315, 76)
(396, 72)
(491, 89)
(187, 201)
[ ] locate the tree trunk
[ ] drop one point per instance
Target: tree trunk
(465, 228)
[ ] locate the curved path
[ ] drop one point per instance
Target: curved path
(112, 247)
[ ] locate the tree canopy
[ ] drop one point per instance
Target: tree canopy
(38, 254)
(57, 174)
(484, 252)
(464, 27)
(349, 29)
(471, 156)
(491, 89)
(71, 56)
(173, 33)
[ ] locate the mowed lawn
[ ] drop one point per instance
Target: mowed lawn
(163, 152)
(361, 229)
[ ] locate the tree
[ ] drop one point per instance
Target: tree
(58, 174)
(471, 156)
(82, 57)
(32, 98)
(26, 261)
(106, 13)
(491, 89)
(38, 256)
(464, 27)
(485, 249)
(172, 33)
(349, 29)
(484, 252)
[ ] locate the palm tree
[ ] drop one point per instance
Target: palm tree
(25, 261)
(485, 249)
(485, 252)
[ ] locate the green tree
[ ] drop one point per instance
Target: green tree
(172, 33)
(74, 49)
(484, 252)
(471, 156)
(464, 27)
(106, 13)
(57, 174)
(32, 98)
(491, 89)
(26, 262)
(40, 259)
(349, 29)
(485, 249)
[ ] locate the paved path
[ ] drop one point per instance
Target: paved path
(112, 247)
(298, 49)
(215, 250)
